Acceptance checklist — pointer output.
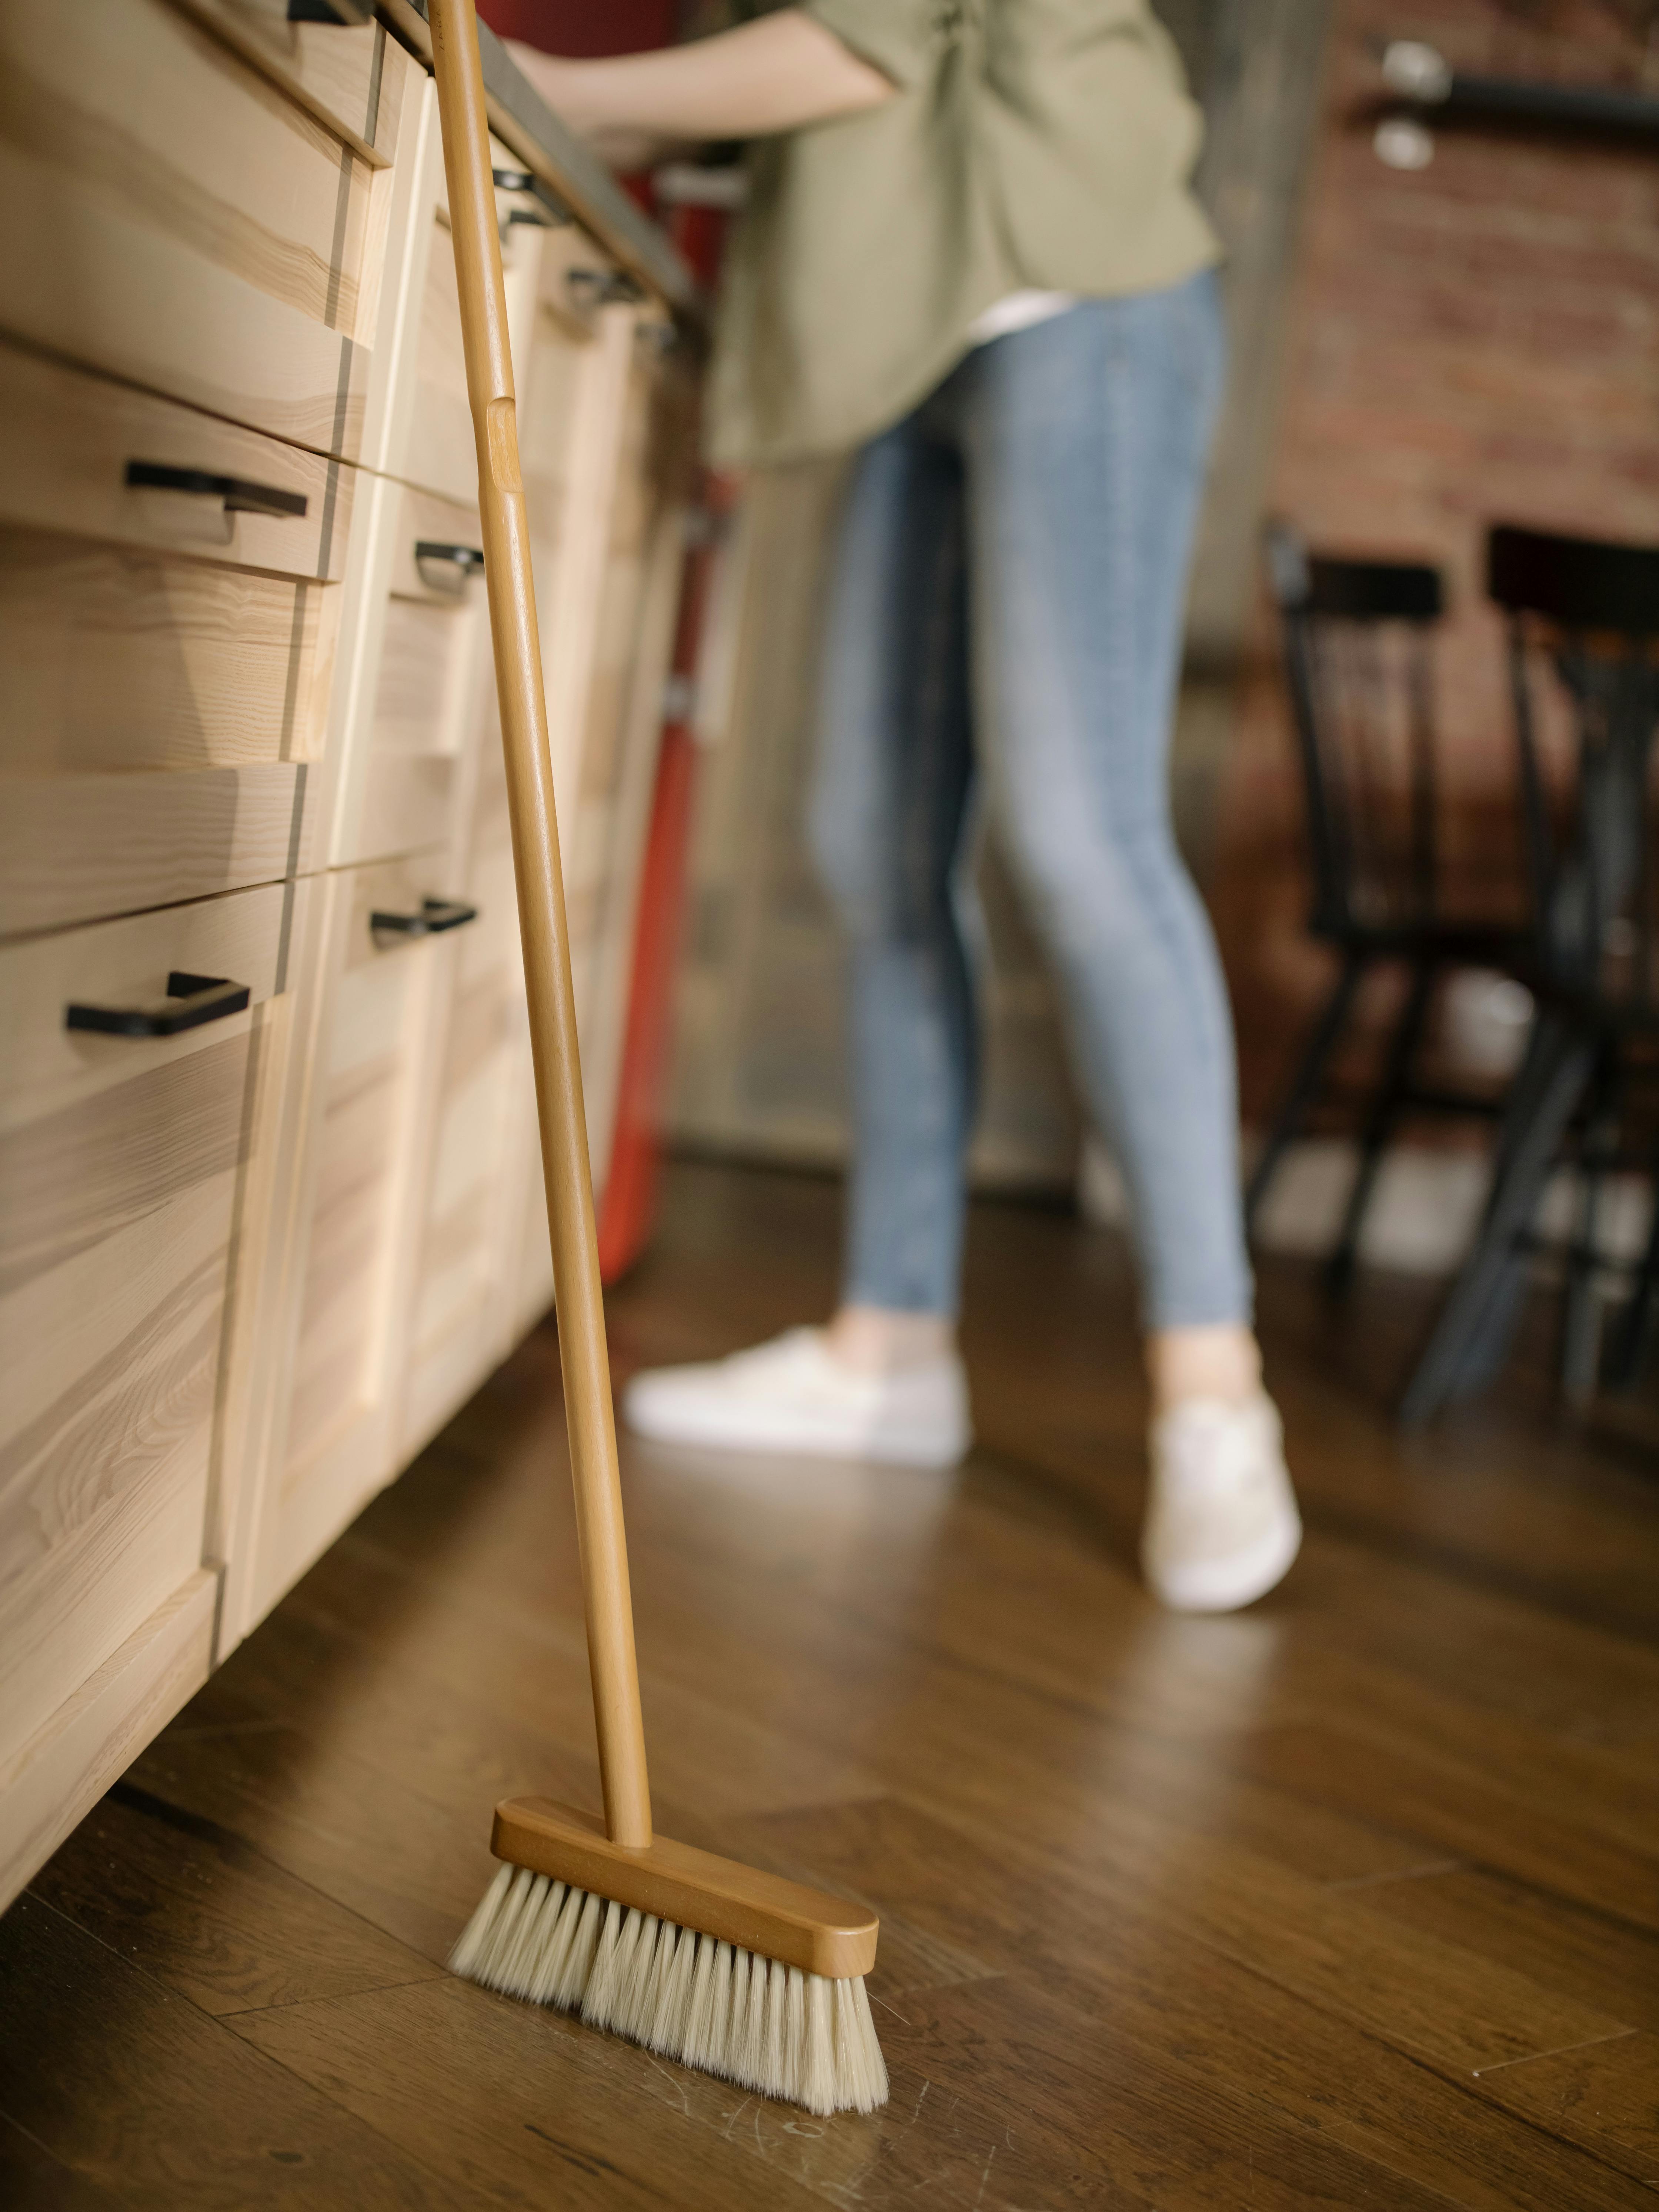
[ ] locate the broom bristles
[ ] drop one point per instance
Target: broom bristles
(727, 2011)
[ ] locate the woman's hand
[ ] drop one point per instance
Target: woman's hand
(774, 74)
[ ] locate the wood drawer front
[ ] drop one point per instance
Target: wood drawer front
(66, 1766)
(568, 400)
(121, 1161)
(370, 1075)
(441, 453)
(428, 693)
(353, 77)
(527, 1258)
(609, 790)
(66, 438)
(462, 1310)
(168, 665)
(175, 218)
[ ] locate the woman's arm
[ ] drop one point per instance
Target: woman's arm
(773, 74)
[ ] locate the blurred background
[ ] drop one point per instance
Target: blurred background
(1440, 223)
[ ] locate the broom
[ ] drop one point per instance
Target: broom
(739, 1972)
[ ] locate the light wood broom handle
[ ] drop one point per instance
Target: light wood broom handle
(610, 1611)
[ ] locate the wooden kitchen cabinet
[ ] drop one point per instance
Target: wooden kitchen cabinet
(125, 1162)
(349, 75)
(611, 772)
(461, 1318)
(175, 219)
(168, 646)
(248, 1267)
(385, 974)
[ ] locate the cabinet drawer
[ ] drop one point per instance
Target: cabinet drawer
(361, 1225)
(428, 692)
(121, 1161)
(347, 75)
(462, 1308)
(611, 759)
(175, 218)
(441, 454)
(167, 661)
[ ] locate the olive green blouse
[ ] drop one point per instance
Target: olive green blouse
(1032, 144)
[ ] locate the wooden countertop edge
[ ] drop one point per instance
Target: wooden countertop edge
(521, 119)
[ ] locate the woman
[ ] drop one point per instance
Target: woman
(971, 253)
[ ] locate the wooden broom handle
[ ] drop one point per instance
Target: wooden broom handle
(599, 1533)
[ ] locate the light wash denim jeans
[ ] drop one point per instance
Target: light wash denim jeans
(1007, 606)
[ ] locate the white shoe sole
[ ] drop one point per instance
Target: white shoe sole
(1224, 1585)
(763, 1428)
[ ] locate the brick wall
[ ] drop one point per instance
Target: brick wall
(1475, 341)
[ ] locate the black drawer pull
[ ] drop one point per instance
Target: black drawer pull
(431, 918)
(240, 497)
(346, 13)
(447, 567)
(190, 1000)
(548, 213)
(600, 287)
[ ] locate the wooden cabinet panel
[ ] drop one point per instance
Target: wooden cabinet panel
(66, 440)
(168, 662)
(348, 75)
(441, 454)
(77, 844)
(432, 648)
(122, 1160)
(174, 218)
(607, 798)
(67, 1764)
(461, 1315)
(355, 1254)
(247, 1268)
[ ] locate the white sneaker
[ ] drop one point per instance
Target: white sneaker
(793, 1395)
(1221, 1526)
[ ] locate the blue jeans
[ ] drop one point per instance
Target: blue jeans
(1006, 608)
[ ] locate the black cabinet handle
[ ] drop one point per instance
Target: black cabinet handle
(431, 918)
(190, 1000)
(600, 287)
(460, 561)
(548, 213)
(240, 497)
(346, 13)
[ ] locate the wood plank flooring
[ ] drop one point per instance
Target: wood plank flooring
(1349, 1901)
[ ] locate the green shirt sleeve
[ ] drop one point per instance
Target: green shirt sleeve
(897, 37)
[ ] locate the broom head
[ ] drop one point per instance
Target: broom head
(738, 1972)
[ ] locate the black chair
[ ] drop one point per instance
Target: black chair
(1359, 642)
(1584, 655)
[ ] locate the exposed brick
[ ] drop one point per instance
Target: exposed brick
(1473, 342)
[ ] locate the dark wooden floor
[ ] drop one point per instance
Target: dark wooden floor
(1353, 1900)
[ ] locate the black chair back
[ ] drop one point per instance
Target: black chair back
(1584, 654)
(1358, 650)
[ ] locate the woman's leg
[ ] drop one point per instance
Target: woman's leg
(1087, 440)
(889, 810)
(887, 825)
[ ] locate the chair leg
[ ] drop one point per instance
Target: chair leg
(1465, 1348)
(1387, 1102)
(1581, 1318)
(1305, 1086)
(1491, 1333)
(1634, 1330)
